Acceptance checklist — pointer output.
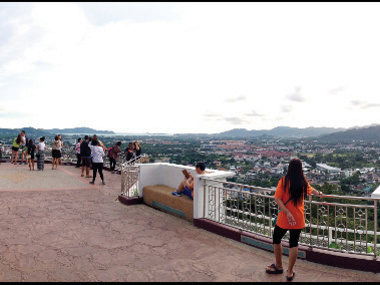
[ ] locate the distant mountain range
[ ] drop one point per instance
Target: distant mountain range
(367, 134)
(81, 130)
(286, 132)
(325, 135)
(46, 132)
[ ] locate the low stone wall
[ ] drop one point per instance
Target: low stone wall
(337, 259)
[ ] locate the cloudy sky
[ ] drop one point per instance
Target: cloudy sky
(189, 67)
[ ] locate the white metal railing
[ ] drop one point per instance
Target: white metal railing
(130, 176)
(336, 223)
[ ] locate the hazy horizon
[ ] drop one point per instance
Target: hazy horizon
(139, 133)
(189, 67)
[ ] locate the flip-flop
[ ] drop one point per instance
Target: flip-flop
(175, 193)
(275, 271)
(290, 278)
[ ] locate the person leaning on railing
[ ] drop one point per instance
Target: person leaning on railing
(137, 149)
(113, 154)
(291, 192)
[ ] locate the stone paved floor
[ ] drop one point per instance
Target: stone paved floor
(85, 234)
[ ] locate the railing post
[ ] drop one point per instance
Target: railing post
(375, 228)
(204, 198)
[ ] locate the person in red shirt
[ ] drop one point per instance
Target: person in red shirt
(291, 191)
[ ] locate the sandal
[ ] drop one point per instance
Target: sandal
(291, 278)
(275, 271)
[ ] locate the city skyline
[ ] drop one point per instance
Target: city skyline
(189, 67)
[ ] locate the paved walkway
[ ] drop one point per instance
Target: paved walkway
(84, 234)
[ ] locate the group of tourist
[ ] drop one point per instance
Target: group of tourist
(132, 151)
(90, 152)
(28, 151)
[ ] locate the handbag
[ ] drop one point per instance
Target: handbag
(275, 220)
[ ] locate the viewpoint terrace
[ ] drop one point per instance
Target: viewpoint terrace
(55, 226)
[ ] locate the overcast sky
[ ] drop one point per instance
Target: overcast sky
(189, 67)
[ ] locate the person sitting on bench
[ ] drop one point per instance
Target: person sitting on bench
(187, 185)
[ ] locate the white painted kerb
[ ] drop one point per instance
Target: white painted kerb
(171, 175)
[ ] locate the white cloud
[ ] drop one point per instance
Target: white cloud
(133, 74)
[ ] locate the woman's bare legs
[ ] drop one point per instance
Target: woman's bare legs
(293, 252)
(278, 254)
(14, 157)
(23, 156)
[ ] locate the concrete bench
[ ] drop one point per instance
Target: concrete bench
(160, 197)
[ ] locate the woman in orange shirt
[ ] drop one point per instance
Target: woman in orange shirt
(291, 191)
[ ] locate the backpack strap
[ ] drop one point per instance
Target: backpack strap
(287, 201)
(283, 181)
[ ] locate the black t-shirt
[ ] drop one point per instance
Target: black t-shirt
(31, 149)
(85, 149)
(129, 154)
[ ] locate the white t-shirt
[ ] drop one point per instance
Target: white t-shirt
(41, 146)
(97, 153)
(77, 148)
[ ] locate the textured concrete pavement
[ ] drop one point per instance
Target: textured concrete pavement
(82, 233)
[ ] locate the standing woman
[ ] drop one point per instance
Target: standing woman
(97, 154)
(41, 154)
(113, 154)
(85, 154)
(290, 194)
(30, 154)
(95, 138)
(55, 153)
(60, 149)
(129, 151)
(137, 149)
(24, 152)
(15, 148)
(77, 151)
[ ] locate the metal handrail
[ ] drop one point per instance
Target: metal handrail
(134, 160)
(274, 190)
(252, 211)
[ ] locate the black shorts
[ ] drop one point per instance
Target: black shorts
(86, 161)
(56, 153)
(15, 148)
(279, 233)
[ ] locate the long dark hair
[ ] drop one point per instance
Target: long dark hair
(18, 140)
(296, 179)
